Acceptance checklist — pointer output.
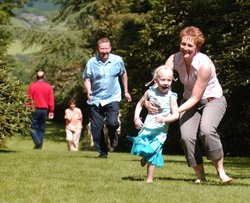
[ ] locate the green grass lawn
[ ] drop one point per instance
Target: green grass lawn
(57, 175)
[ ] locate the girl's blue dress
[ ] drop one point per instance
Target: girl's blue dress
(150, 139)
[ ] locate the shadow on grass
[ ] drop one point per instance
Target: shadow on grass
(207, 183)
(189, 180)
(238, 166)
(80, 155)
(139, 178)
(238, 175)
(7, 151)
(166, 161)
(133, 178)
(55, 131)
(239, 162)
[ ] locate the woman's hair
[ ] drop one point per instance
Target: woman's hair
(157, 72)
(195, 33)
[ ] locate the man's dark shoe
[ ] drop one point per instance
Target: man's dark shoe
(103, 156)
(114, 141)
(38, 146)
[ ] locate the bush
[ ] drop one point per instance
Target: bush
(14, 119)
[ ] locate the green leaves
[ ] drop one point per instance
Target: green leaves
(14, 119)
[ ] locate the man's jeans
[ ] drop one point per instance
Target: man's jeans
(98, 115)
(39, 117)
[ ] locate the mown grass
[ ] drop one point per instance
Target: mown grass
(56, 175)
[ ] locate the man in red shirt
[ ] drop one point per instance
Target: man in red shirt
(42, 99)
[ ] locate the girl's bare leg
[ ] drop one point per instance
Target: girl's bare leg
(150, 173)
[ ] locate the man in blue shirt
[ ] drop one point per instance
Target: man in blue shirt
(101, 80)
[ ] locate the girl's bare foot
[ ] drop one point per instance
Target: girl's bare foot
(149, 181)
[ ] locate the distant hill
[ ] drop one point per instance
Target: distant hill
(45, 5)
(37, 12)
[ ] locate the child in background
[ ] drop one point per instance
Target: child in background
(73, 116)
(149, 142)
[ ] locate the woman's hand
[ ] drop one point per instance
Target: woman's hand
(152, 109)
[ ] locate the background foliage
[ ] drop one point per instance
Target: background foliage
(14, 115)
(145, 33)
(14, 118)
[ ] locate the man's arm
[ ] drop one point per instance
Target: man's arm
(51, 104)
(30, 102)
(87, 85)
(124, 78)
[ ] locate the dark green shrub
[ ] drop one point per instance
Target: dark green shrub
(14, 113)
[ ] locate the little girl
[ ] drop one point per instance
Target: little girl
(149, 142)
(73, 116)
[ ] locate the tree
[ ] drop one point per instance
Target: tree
(6, 8)
(14, 118)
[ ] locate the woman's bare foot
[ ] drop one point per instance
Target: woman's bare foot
(225, 178)
(218, 163)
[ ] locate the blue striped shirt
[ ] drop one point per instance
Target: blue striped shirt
(104, 79)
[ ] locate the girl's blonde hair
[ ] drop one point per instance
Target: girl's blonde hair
(158, 71)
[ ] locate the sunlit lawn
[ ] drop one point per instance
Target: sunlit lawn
(56, 175)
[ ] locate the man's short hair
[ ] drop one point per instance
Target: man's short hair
(40, 75)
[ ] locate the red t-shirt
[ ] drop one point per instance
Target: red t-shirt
(41, 94)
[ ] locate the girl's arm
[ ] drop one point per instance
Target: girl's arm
(68, 115)
(174, 113)
(138, 109)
